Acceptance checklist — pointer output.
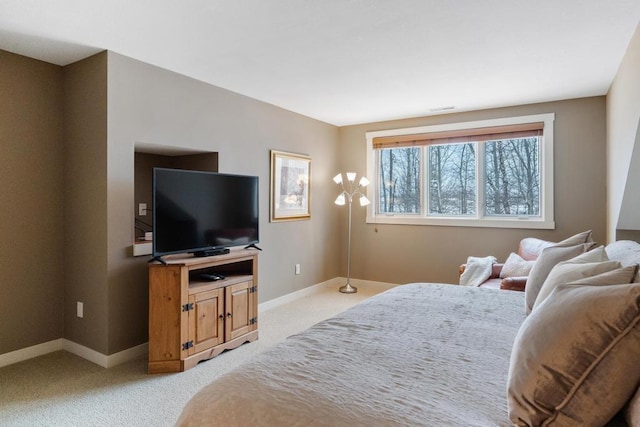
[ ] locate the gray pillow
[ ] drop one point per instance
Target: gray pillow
(614, 277)
(576, 239)
(575, 358)
(567, 272)
(548, 258)
(585, 265)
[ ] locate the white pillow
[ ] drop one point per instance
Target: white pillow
(516, 266)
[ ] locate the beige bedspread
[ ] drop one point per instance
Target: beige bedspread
(418, 354)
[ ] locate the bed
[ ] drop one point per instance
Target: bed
(417, 354)
(427, 354)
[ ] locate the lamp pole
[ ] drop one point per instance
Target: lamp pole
(347, 197)
(347, 288)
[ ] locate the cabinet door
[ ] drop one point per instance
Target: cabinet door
(241, 317)
(206, 320)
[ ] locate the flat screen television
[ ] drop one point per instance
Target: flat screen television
(203, 213)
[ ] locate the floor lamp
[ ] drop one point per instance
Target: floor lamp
(346, 196)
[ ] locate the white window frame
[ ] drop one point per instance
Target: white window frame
(544, 221)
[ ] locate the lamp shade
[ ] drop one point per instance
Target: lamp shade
(364, 201)
(340, 200)
(338, 179)
(363, 181)
(351, 176)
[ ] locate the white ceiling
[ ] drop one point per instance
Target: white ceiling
(347, 61)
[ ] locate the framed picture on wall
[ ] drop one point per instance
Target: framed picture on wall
(290, 186)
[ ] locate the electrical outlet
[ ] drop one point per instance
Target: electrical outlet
(80, 309)
(297, 269)
(142, 209)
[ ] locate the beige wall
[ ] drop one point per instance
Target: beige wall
(623, 145)
(85, 202)
(404, 253)
(67, 219)
(111, 103)
(31, 208)
(149, 105)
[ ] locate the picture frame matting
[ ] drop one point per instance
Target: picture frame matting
(290, 186)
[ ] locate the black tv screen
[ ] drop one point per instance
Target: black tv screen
(201, 212)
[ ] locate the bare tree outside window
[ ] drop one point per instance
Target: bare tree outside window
(399, 180)
(452, 179)
(512, 185)
(488, 173)
(512, 178)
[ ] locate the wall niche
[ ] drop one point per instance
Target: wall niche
(147, 157)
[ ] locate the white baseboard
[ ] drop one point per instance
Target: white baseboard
(141, 350)
(108, 361)
(77, 349)
(30, 352)
(367, 283)
(310, 290)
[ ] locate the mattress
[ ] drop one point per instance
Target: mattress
(417, 354)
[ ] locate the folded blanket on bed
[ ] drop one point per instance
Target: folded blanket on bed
(478, 270)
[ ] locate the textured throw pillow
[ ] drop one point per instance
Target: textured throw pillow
(515, 266)
(582, 372)
(548, 258)
(584, 265)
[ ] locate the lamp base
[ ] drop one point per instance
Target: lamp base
(348, 289)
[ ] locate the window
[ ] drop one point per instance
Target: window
(492, 173)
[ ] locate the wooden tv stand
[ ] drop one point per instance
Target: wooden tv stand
(191, 319)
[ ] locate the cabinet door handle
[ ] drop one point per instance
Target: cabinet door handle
(221, 317)
(229, 315)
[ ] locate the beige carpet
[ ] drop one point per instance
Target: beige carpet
(61, 389)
